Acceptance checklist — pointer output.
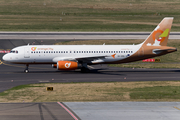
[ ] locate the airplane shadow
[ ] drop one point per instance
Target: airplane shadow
(106, 71)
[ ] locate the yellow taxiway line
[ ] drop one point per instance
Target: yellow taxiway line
(177, 108)
(1, 62)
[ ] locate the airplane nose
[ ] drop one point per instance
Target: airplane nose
(5, 57)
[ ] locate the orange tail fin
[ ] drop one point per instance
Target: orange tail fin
(160, 35)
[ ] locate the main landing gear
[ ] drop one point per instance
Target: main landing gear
(84, 68)
(26, 70)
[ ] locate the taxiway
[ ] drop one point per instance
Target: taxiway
(13, 75)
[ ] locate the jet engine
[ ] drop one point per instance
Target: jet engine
(67, 65)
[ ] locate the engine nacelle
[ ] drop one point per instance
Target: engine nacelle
(54, 65)
(67, 65)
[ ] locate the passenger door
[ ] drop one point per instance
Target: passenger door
(26, 52)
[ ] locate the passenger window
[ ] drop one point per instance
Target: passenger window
(31, 52)
(66, 51)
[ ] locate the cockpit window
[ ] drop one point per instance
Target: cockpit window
(14, 51)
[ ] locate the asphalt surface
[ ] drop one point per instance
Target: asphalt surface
(79, 35)
(126, 110)
(91, 111)
(9, 40)
(33, 111)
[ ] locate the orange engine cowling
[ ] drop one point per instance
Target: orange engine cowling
(67, 65)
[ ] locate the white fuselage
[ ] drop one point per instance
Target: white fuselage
(49, 54)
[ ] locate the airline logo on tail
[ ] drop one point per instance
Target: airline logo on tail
(158, 39)
(159, 36)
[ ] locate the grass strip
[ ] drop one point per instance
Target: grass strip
(105, 91)
(86, 15)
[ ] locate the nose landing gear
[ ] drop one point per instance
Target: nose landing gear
(26, 70)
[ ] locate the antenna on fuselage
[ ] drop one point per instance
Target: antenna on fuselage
(28, 44)
(104, 44)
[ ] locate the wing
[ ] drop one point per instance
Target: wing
(86, 59)
(89, 59)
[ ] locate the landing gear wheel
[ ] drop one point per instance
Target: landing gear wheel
(26, 71)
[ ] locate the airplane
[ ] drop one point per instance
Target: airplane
(71, 57)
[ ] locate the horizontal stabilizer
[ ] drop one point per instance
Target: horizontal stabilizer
(158, 51)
